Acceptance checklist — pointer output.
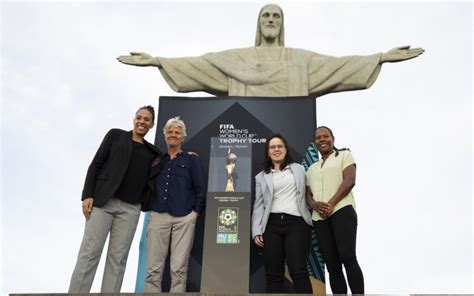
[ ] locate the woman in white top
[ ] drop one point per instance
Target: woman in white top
(330, 182)
(281, 221)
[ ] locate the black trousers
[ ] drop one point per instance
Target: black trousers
(286, 236)
(337, 240)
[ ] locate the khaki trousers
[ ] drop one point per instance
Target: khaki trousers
(162, 227)
(120, 219)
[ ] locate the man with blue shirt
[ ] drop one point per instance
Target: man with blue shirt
(179, 199)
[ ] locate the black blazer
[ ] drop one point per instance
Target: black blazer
(110, 164)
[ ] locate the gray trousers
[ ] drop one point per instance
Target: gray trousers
(161, 228)
(120, 219)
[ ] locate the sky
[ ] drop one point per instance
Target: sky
(410, 133)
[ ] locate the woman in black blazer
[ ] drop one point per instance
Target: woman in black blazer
(115, 187)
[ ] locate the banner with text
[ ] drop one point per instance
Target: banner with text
(217, 127)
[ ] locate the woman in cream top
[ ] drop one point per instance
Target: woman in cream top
(329, 194)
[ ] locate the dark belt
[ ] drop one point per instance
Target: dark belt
(283, 216)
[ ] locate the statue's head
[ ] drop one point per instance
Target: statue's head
(270, 24)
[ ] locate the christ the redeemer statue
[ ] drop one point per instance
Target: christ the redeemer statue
(269, 69)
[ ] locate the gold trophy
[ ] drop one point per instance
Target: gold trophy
(230, 159)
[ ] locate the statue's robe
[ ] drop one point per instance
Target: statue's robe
(270, 72)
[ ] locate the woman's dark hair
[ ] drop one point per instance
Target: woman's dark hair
(150, 109)
(268, 164)
(332, 136)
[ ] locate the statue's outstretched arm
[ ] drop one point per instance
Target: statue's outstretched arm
(399, 54)
(140, 59)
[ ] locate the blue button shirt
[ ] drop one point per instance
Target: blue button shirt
(180, 185)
